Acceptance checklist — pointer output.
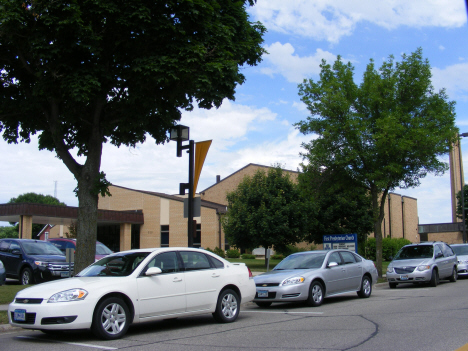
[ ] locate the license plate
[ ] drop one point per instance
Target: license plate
(403, 277)
(263, 293)
(64, 274)
(19, 315)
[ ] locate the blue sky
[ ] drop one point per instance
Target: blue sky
(258, 126)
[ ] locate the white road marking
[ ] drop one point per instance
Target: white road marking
(283, 312)
(73, 343)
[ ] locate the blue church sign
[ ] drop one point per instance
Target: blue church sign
(340, 241)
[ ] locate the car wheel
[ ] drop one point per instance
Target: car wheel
(263, 304)
(392, 285)
(434, 278)
(111, 319)
(227, 307)
(366, 287)
(454, 276)
(315, 294)
(26, 276)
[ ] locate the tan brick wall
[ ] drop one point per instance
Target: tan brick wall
(449, 238)
(411, 219)
(217, 193)
(401, 218)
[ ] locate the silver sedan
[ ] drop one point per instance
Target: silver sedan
(461, 250)
(313, 275)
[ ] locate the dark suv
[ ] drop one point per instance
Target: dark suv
(69, 243)
(33, 261)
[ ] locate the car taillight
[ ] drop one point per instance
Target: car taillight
(250, 273)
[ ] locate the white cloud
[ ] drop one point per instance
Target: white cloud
(454, 79)
(331, 20)
(282, 60)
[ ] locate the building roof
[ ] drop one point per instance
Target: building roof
(241, 169)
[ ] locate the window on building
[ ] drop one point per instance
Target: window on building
(197, 237)
(164, 236)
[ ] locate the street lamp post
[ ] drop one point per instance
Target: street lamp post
(180, 133)
(462, 197)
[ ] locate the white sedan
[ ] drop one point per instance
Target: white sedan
(136, 286)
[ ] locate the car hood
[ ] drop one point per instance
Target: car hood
(462, 257)
(410, 263)
(279, 275)
(46, 290)
(48, 258)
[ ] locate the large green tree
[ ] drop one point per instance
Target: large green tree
(82, 73)
(34, 198)
(386, 132)
(340, 208)
(265, 210)
(459, 202)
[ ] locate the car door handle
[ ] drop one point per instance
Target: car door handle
(215, 275)
(176, 280)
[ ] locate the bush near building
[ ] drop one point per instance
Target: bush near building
(390, 246)
(232, 253)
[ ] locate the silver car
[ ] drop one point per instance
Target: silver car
(426, 262)
(461, 250)
(313, 275)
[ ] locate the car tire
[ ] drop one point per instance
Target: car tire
(227, 307)
(453, 278)
(366, 287)
(26, 277)
(434, 278)
(111, 319)
(263, 304)
(392, 285)
(316, 293)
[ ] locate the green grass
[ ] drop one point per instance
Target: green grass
(255, 265)
(3, 317)
(8, 292)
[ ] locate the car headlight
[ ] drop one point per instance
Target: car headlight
(41, 263)
(69, 295)
(294, 280)
(389, 269)
(423, 267)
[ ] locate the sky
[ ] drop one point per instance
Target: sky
(258, 127)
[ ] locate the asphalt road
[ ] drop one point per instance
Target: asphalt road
(407, 318)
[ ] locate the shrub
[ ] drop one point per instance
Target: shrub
(219, 252)
(290, 249)
(390, 246)
(277, 257)
(233, 253)
(248, 256)
(208, 249)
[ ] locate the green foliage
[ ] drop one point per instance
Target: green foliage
(459, 202)
(290, 249)
(265, 210)
(340, 208)
(387, 132)
(248, 256)
(8, 232)
(231, 253)
(217, 251)
(390, 246)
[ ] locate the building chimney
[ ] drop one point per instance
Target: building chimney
(218, 178)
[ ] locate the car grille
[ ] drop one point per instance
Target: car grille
(30, 318)
(271, 295)
(264, 285)
(404, 270)
(29, 301)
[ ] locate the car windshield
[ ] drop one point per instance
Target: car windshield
(119, 265)
(40, 248)
(460, 250)
(102, 249)
(301, 261)
(409, 252)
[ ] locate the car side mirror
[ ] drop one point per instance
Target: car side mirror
(332, 264)
(16, 252)
(440, 254)
(153, 271)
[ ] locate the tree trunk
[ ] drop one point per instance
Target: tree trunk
(86, 235)
(378, 211)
